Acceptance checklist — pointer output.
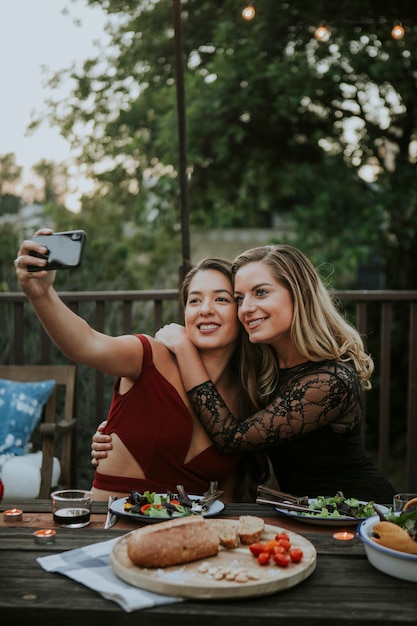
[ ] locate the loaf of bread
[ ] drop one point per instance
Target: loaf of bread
(393, 536)
(250, 528)
(173, 542)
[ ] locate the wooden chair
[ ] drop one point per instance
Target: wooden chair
(50, 430)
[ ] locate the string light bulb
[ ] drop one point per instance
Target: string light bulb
(248, 12)
(322, 33)
(398, 31)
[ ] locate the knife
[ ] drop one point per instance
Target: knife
(111, 518)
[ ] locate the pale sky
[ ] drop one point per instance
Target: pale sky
(35, 33)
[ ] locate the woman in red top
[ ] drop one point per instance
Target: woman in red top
(157, 441)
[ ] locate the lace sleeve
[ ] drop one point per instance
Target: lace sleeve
(306, 404)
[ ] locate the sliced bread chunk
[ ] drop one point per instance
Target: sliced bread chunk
(227, 531)
(250, 528)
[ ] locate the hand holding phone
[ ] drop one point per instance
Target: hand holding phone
(65, 250)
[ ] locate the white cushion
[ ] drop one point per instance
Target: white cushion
(21, 475)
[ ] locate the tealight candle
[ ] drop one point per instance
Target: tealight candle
(343, 535)
(44, 536)
(13, 515)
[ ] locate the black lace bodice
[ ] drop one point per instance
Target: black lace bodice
(311, 432)
(308, 397)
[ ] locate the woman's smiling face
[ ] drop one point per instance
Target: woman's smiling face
(210, 311)
(265, 306)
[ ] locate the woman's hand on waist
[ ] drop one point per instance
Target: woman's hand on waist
(100, 444)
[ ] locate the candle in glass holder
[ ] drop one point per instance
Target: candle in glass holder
(343, 535)
(13, 515)
(44, 536)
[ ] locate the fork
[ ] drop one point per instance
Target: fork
(209, 498)
(281, 495)
(203, 503)
(111, 518)
(286, 505)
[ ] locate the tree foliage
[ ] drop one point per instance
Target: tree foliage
(277, 122)
(55, 179)
(119, 254)
(10, 173)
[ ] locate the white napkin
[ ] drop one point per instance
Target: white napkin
(91, 567)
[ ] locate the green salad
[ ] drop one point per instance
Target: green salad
(166, 506)
(338, 506)
(406, 520)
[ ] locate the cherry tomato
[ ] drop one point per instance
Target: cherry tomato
(270, 545)
(279, 550)
(145, 507)
(285, 543)
(177, 502)
(281, 559)
(257, 548)
(296, 554)
(282, 535)
(263, 558)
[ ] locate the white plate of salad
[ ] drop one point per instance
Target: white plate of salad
(334, 511)
(153, 507)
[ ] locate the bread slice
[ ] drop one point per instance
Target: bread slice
(227, 531)
(173, 542)
(394, 537)
(250, 528)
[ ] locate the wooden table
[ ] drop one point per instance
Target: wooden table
(344, 589)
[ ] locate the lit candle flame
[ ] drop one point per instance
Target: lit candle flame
(343, 535)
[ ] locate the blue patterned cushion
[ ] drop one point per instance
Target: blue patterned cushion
(21, 406)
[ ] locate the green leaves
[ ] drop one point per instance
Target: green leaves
(279, 126)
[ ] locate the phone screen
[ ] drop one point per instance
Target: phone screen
(65, 250)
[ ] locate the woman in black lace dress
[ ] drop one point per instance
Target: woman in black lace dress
(310, 426)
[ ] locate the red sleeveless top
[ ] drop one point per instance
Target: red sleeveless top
(156, 427)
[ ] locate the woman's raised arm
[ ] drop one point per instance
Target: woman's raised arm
(117, 356)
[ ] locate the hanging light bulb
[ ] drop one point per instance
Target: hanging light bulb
(248, 12)
(322, 33)
(398, 31)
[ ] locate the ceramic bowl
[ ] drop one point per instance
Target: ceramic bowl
(391, 562)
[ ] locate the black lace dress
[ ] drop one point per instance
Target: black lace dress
(311, 432)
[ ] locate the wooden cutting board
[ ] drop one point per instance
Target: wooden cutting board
(188, 581)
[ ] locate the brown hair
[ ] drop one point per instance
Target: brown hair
(210, 263)
(254, 468)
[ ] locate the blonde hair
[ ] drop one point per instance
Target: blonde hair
(318, 330)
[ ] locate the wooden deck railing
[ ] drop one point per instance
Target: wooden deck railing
(387, 319)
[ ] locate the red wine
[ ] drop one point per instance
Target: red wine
(72, 517)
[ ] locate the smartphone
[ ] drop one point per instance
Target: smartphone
(65, 250)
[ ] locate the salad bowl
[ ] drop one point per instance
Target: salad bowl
(391, 562)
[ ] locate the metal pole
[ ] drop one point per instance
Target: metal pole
(179, 70)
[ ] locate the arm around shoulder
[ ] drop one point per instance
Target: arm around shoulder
(192, 369)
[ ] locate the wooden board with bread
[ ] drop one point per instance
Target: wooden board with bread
(207, 558)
